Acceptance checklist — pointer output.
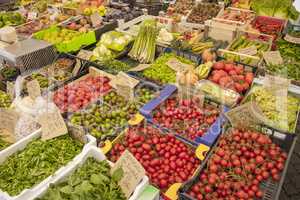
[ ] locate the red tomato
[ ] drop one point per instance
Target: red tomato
(249, 77)
(238, 87)
(229, 67)
(239, 69)
(218, 65)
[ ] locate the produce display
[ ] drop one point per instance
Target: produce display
(77, 95)
(102, 120)
(165, 159)
(186, 117)
(283, 9)
(203, 12)
(241, 44)
(160, 72)
(92, 176)
(288, 50)
(266, 100)
(40, 159)
(39, 24)
(241, 16)
(143, 48)
(231, 75)
(212, 114)
(11, 18)
(5, 100)
(268, 26)
(241, 162)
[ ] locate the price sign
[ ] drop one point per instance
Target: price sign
(53, 125)
(273, 57)
(139, 68)
(133, 172)
(8, 121)
(83, 54)
(96, 19)
(10, 89)
(247, 115)
(78, 133)
(292, 39)
(34, 89)
(251, 51)
(131, 82)
(274, 83)
(178, 66)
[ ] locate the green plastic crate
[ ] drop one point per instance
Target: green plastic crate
(73, 45)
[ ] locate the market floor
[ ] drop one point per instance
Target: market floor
(291, 186)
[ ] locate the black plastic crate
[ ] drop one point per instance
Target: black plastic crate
(270, 188)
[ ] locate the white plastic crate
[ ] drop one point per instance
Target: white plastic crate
(96, 153)
(20, 145)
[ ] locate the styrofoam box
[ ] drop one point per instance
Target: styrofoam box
(96, 153)
(20, 145)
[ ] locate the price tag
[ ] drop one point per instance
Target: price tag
(10, 89)
(8, 121)
(273, 57)
(83, 54)
(133, 172)
(178, 66)
(292, 39)
(274, 83)
(251, 51)
(77, 132)
(53, 125)
(128, 80)
(247, 115)
(139, 68)
(32, 15)
(34, 89)
(125, 91)
(96, 19)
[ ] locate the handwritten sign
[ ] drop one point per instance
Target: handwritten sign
(130, 81)
(251, 51)
(125, 91)
(53, 125)
(34, 89)
(274, 83)
(247, 115)
(139, 68)
(273, 57)
(8, 121)
(133, 172)
(32, 15)
(83, 54)
(96, 19)
(178, 66)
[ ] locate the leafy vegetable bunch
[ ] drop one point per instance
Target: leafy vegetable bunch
(288, 51)
(91, 181)
(40, 159)
(287, 70)
(275, 8)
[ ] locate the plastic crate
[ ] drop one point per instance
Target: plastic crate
(270, 188)
(212, 132)
(73, 45)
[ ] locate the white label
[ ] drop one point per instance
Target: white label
(251, 51)
(32, 15)
(273, 57)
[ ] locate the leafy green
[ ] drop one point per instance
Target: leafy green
(159, 71)
(115, 66)
(40, 159)
(287, 70)
(91, 181)
(275, 8)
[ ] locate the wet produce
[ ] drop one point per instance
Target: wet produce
(203, 12)
(232, 76)
(186, 117)
(284, 118)
(165, 159)
(160, 72)
(241, 162)
(9, 73)
(40, 159)
(77, 95)
(11, 18)
(94, 182)
(5, 100)
(143, 48)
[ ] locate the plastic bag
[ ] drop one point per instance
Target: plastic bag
(115, 41)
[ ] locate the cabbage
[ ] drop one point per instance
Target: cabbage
(114, 40)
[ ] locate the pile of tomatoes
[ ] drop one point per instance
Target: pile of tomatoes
(231, 76)
(79, 94)
(240, 163)
(165, 159)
